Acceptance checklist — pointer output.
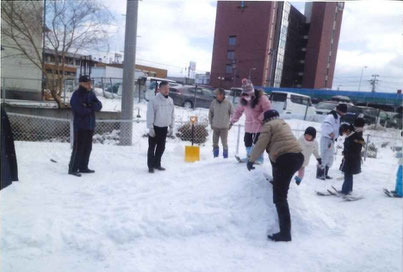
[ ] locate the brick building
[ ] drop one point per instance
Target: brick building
(274, 44)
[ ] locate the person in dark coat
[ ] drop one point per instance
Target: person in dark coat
(351, 164)
(9, 168)
(84, 103)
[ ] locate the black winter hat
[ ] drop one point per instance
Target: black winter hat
(84, 78)
(342, 108)
(270, 114)
(344, 127)
(311, 131)
(359, 122)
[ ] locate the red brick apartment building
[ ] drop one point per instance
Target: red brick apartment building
(274, 44)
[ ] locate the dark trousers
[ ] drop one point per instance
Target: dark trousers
(283, 169)
(156, 147)
(250, 139)
(348, 183)
(82, 147)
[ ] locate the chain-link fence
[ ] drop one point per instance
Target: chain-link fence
(38, 128)
(374, 140)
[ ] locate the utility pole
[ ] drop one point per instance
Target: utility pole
(44, 29)
(126, 128)
(362, 72)
(374, 81)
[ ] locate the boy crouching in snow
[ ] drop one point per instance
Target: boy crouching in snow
(309, 145)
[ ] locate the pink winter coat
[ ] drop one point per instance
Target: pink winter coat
(253, 117)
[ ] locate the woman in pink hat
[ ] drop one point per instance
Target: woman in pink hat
(254, 103)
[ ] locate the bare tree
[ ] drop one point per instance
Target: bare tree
(71, 26)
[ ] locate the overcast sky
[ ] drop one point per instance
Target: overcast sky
(174, 32)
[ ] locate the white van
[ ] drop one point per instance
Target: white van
(292, 103)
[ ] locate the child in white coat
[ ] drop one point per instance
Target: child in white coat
(309, 146)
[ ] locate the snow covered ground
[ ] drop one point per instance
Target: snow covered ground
(212, 215)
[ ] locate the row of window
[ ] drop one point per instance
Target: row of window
(68, 60)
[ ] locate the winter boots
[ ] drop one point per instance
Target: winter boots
(326, 173)
(216, 151)
(320, 172)
(285, 223)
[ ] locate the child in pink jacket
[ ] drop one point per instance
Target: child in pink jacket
(254, 103)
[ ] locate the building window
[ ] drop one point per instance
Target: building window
(232, 40)
(228, 68)
(230, 54)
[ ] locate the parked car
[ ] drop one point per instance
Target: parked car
(151, 86)
(369, 114)
(191, 96)
(323, 108)
(341, 98)
(115, 88)
(234, 95)
(292, 103)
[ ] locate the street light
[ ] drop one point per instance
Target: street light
(250, 70)
(362, 71)
(338, 87)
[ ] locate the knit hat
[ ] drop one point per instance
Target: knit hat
(359, 122)
(342, 108)
(270, 114)
(247, 86)
(311, 131)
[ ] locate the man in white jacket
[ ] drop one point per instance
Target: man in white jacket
(330, 133)
(160, 117)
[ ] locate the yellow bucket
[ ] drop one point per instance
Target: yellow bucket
(192, 153)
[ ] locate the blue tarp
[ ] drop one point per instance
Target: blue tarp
(357, 97)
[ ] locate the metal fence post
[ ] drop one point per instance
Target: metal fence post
(306, 110)
(366, 148)
(237, 140)
(102, 86)
(71, 133)
(3, 89)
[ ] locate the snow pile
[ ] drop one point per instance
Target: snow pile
(107, 138)
(213, 215)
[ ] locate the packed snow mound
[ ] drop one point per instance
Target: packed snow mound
(212, 215)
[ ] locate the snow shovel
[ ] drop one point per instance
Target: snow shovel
(192, 153)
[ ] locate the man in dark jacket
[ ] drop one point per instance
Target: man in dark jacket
(84, 104)
(9, 169)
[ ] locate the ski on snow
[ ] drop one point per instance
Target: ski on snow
(335, 192)
(390, 193)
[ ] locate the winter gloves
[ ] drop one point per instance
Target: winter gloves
(151, 133)
(230, 125)
(319, 161)
(250, 166)
(298, 180)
